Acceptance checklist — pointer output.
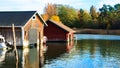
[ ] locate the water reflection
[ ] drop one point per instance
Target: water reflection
(99, 53)
(9, 59)
(85, 54)
(56, 50)
(97, 37)
(2, 55)
(30, 58)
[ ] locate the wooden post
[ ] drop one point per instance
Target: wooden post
(71, 36)
(68, 39)
(14, 40)
(67, 36)
(14, 43)
(41, 56)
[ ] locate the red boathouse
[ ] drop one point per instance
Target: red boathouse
(56, 31)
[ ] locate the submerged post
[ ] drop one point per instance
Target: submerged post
(14, 43)
(41, 55)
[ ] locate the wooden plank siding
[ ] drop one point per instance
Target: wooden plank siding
(29, 27)
(35, 24)
(55, 33)
(8, 34)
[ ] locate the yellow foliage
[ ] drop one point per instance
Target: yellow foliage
(55, 18)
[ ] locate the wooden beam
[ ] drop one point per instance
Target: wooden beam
(14, 43)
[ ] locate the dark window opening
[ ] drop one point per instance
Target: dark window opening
(33, 17)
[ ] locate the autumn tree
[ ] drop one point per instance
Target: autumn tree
(93, 13)
(85, 18)
(108, 17)
(55, 18)
(45, 17)
(50, 10)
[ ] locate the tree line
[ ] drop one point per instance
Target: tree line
(108, 17)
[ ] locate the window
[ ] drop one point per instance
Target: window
(34, 18)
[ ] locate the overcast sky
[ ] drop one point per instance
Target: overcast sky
(25, 5)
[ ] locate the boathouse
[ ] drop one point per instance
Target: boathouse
(28, 27)
(56, 31)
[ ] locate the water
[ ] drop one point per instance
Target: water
(88, 51)
(97, 37)
(28, 58)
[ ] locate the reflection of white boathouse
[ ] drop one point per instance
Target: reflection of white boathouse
(2, 42)
(28, 26)
(2, 55)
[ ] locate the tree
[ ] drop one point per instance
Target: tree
(109, 16)
(68, 15)
(103, 17)
(93, 13)
(50, 10)
(55, 18)
(45, 17)
(85, 18)
(117, 7)
(116, 23)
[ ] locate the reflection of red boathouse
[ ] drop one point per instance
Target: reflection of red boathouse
(56, 31)
(69, 45)
(56, 49)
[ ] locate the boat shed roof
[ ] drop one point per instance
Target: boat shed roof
(18, 18)
(61, 25)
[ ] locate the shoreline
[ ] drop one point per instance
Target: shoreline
(97, 31)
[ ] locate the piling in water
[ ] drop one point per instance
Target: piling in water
(14, 44)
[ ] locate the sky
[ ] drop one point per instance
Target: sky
(39, 5)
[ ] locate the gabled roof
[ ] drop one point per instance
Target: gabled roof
(61, 25)
(18, 18)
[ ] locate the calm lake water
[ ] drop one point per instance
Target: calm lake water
(87, 51)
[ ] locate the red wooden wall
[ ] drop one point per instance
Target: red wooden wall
(54, 32)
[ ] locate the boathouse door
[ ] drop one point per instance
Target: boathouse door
(32, 36)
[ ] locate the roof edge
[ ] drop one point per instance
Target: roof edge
(42, 19)
(11, 26)
(29, 19)
(36, 13)
(71, 30)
